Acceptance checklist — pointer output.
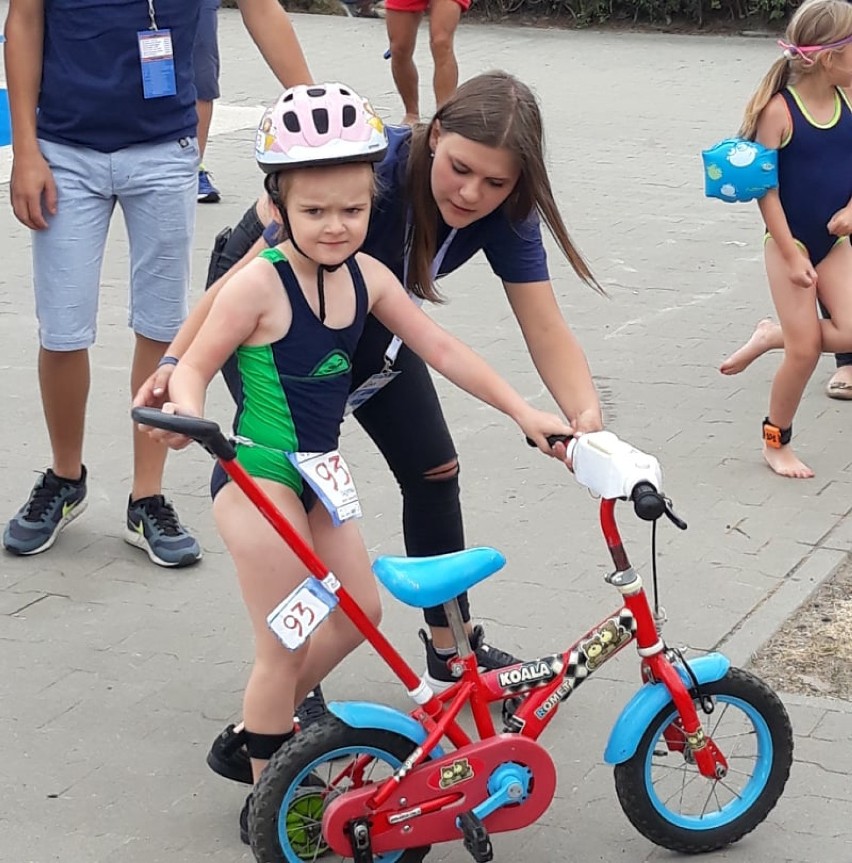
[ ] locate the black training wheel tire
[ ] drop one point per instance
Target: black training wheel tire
(320, 738)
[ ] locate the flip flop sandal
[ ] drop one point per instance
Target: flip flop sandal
(839, 390)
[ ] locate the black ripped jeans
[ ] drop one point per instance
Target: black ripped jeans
(404, 420)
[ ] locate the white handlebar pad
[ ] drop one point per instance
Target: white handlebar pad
(611, 467)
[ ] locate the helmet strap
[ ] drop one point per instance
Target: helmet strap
(321, 268)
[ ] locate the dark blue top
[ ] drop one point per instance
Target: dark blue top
(91, 89)
(815, 173)
(514, 249)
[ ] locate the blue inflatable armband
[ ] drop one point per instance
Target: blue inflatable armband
(739, 170)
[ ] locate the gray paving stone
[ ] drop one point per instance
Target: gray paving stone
(116, 675)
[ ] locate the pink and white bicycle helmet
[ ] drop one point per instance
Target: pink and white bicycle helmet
(319, 124)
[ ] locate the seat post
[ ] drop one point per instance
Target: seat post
(454, 618)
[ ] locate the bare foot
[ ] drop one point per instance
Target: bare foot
(410, 120)
(786, 463)
(840, 385)
(759, 343)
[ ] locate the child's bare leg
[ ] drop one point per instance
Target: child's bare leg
(834, 274)
(767, 336)
(267, 571)
(802, 343)
(343, 552)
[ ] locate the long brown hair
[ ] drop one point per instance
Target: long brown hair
(497, 110)
(815, 22)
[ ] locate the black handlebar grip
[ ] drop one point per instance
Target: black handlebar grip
(205, 432)
(553, 439)
(648, 503)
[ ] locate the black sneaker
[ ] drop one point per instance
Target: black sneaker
(228, 756)
(312, 709)
(153, 526)
(244, 813)
(52, 504)
(489, 658)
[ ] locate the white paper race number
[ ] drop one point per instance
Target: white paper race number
(329, 476)
(294, 619)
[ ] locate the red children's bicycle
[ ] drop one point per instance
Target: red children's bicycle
(701, 752)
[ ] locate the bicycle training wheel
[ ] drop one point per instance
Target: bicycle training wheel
(669, 802)
(304, 776)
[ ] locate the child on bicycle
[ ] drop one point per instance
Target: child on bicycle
(801, 109)
(293, 316)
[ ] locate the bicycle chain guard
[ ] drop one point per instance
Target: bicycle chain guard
(424, 808)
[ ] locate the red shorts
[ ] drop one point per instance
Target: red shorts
(418, 5)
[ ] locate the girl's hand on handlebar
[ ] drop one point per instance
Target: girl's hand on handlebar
(587, 421)
(155, 390)
(537, 425)
(169, 439)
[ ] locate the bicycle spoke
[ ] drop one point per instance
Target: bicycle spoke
(707, 801)
(719, 719)
(749, 733)
(725, 785)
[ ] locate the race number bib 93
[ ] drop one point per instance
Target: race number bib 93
(329, 476)
(294, 619)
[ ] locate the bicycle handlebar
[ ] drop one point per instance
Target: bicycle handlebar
(553, 439)
(205, 432)
(648, 503)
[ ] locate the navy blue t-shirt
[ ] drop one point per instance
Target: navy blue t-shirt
(91, 88)
(514, 249)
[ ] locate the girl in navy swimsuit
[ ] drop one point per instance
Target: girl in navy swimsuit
(293, 316)
(802, 109)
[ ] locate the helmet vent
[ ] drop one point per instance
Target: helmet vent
(291, 122)
(349, 116)
(316, 91)
(320, 116)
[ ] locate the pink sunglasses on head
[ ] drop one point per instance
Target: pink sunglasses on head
(792, 51)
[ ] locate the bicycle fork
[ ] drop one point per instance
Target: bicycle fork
(658, 668)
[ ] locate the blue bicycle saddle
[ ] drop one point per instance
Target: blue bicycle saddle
(739, 170)
(424, 582)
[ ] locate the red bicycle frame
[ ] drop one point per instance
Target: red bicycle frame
(541, 685)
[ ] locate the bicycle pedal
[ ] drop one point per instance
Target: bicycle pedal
(510, 724)
(476, 839)
(362, 846)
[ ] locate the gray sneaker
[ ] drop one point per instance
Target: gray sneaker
(53, 503)
(153, 526)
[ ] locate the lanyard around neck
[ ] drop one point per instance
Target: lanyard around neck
(396, 342)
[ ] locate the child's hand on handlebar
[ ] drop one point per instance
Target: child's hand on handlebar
(169, 439)
(155, 390)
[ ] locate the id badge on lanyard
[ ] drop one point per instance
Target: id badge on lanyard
(381, 379)
(156, 58)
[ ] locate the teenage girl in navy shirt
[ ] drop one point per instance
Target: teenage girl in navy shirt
(472, 179)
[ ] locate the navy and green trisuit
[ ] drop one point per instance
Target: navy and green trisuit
(815, 172)
(293, 392)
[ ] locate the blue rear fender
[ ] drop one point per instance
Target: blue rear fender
(650, 700)
(363, 714)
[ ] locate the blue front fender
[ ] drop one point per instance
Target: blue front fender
(363, 714)
(650, 700)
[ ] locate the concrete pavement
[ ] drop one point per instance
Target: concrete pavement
(116, 675)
